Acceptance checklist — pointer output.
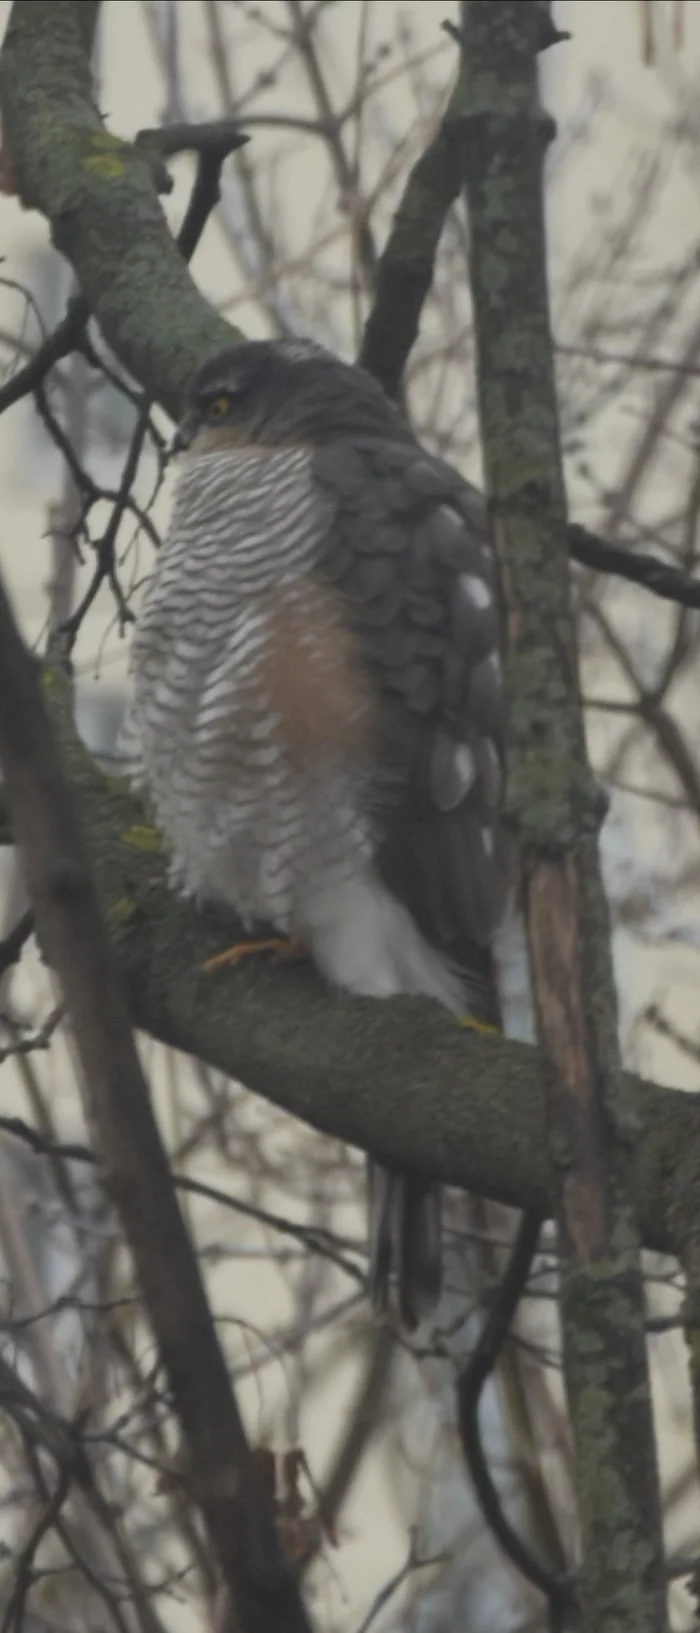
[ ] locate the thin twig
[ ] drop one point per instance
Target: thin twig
(239, 1518)
(91, 490)
(652, 574)
(213, 143)
(302, 24)
(666, 1029)
(629, 360)
(470, 1385)
(313, 1237)
(40, 1039)
(413, 1563)
(364, 1417)
(65, 339)
(105, 566)
(14, 1610)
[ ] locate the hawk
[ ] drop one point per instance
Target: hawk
(318, 705)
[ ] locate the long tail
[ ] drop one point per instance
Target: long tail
(405, 1237)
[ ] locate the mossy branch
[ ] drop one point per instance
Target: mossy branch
(554, 809)
(466, 1108)
(99, 196)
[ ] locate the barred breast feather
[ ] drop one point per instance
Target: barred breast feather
(254, 784)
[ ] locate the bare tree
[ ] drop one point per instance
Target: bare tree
(136, 1476)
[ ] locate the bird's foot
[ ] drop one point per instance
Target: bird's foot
(282, 949)
(488, 1027)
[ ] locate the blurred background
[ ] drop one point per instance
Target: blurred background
(339, 100)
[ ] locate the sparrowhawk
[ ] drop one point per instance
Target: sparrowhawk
(317, 699)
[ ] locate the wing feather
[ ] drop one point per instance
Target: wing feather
(408, 548)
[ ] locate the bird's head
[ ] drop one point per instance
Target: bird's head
(280, 391)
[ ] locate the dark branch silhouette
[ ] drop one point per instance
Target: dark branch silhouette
(470, 1385)
(222, 1476)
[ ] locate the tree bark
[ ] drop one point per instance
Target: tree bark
(467, 1109)
(555, 810)
(99, 196)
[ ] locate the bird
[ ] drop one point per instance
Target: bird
(317, 697)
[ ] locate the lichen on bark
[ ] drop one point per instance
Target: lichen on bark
(99, 196)
(554, 810)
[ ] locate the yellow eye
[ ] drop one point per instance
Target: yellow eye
(218, 407)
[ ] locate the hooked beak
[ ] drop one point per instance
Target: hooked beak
(183, 435)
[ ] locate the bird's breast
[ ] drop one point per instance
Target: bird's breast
(254, 712)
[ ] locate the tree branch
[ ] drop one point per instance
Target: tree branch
(214, 144)
(555, 811)
(13, 944)
(403, 280)
(222, 1475)
(405, 268)
(64, 339)
(98, 193)
(465, 1108)
(470, 1386)
(638, 567)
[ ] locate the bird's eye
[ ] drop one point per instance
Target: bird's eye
(218, 406)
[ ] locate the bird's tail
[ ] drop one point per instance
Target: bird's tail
(405, 1238)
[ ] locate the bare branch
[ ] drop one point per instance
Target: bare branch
(312, 1237)
(652, 574)
(302, 26)
(12, 946)
(65, 339)
(470, 1385)
(14, 1610)
(413, 1563)
(473, 1117)
(213, 139)
(214, 147)
(223, 1478)
(405, 268)
(88, 183)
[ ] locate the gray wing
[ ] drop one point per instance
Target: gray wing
(408, 549)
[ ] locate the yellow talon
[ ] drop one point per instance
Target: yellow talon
(285, 949)
(146, 837)
(122, 910)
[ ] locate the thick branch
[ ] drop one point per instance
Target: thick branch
(222, 1474)
(465, 1108)
(99, 196)
(405, 269)
(554, 808)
